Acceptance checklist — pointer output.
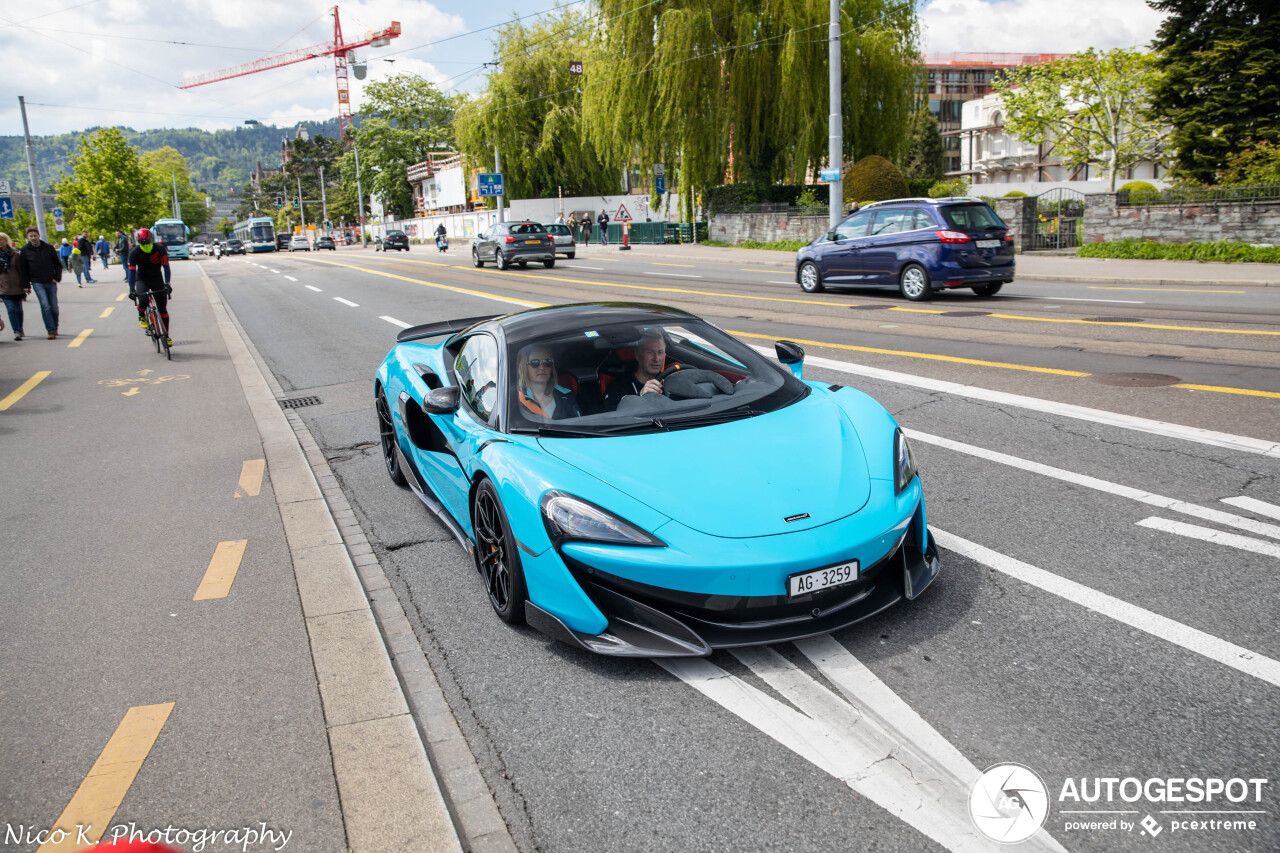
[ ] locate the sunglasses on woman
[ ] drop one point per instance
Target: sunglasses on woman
(535, 363)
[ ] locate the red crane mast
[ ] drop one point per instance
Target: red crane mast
(336, 48)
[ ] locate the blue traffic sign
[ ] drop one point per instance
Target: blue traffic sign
(660, 184)
(57, 213)
(6, 207)
(490, 183)
(828, 176)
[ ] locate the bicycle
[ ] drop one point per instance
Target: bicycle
(155, 325)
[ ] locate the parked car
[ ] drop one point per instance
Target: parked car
(397, 240)
(563, 237)
(639, 531)
(506, 243)
(282, 242)
(233, 247)
(326, 243)
(298, 243)
(918, 245)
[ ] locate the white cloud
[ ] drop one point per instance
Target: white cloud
(1036, 26)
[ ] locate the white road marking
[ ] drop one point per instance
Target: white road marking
(1073, 299)
(1252, 505)
(1208, 534)
(673, 274)
(346, 301)
(779, 282)
(1240, 443)
(277, 272)
(579, 267)
(1201, 512)
(393, 321)
(849, 743)
(1193, 640)
(313, 287)
(291, 278)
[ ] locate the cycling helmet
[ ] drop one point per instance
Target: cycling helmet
(144, 236)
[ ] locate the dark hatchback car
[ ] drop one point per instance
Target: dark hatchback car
(397, 240)
(326, 243)
(233, 247)
(507, 243)
(918, 245)
(282, 242)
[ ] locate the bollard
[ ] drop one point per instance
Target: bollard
(626, 238)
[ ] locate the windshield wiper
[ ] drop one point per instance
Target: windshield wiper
(558, 432)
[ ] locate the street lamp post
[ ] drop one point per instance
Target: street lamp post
(359, 196)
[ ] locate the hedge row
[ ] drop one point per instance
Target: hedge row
(1150, 250)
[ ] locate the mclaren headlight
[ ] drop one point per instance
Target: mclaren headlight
(572, 518)
(904, 463)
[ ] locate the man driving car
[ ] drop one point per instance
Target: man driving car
(651, 358)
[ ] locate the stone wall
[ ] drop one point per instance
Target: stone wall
(765, 227)
(1020, 215)
(1244, 222)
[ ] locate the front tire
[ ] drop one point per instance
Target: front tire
(988, 289)
(914, 283)
(475, 258)
(810, 278)
(387, 435)
(496, 555)
(549, 264)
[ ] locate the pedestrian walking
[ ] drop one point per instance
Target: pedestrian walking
(122, 251)
(586, 229)
(603, 219)
(560, 218)
(11, 289)
(77, 265)
(103, 248)
(64, 253)
(86, 254)
(39, 269)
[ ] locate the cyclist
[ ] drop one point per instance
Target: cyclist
(149, 272)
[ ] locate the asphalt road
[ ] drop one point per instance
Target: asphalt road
(1102, 612)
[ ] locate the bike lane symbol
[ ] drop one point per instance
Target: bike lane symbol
(136, 382)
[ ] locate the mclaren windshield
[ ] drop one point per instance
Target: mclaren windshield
(627, 378)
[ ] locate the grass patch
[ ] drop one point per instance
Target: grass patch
(1223, 250)
(776, 245)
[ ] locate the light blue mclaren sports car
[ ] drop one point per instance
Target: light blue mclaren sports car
(634, 481)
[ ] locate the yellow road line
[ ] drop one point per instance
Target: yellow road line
(916, 310)
(427, 283)
(1165, 289)
(925, 355)
(100, 794)
(251, 478)
(222, 570)
(122, 297)
(660, 264)
(107, 311)
(80, 338)
(23, 389)
(645, 287)
(1249, 392)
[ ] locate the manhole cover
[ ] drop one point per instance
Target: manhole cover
(870, 307)
(299, 402)
(1135, 380)
(966, 313)
(1113, 320)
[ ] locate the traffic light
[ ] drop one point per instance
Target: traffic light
(279, 202)
(295, 204)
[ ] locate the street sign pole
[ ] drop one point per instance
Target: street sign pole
(31, 171)
(497, 167)
(364, 242)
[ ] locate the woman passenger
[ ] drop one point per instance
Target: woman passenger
(539, 393)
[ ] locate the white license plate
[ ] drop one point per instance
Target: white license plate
(988, 244)
(807, 582)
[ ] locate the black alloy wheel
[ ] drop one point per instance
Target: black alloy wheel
(387, 436)
(496, 556)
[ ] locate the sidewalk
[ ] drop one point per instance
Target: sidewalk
(1031, 266)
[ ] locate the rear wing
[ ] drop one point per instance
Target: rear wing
(444, 327)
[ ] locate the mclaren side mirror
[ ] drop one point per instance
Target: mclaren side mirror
(792, 355)
(442, 401)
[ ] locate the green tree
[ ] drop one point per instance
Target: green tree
(1092, 106)
(925, 160)
(726, 88)
(531, 111)
(169, 169)
(108, 188)
(226, 227)
(873, 178)
(1258, 165)
(406, 119)
(1220, 82)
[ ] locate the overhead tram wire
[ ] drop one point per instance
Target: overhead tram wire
(160, 41)
(47, 14)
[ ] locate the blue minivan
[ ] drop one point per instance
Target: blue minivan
(917, 245)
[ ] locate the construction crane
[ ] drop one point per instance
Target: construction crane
(337, 48)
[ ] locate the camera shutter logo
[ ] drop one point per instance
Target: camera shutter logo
(1009, 803)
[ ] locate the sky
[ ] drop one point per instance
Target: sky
(89, 63)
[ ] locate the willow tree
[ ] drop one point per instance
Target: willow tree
(531, 111)
(741, 91)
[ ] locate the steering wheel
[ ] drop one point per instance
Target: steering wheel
(668, 371)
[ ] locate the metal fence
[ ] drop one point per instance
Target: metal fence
(1059, 220)
(1198, 195)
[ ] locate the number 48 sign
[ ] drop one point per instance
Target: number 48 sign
(575, 68)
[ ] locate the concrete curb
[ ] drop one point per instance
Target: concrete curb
(388, 722)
